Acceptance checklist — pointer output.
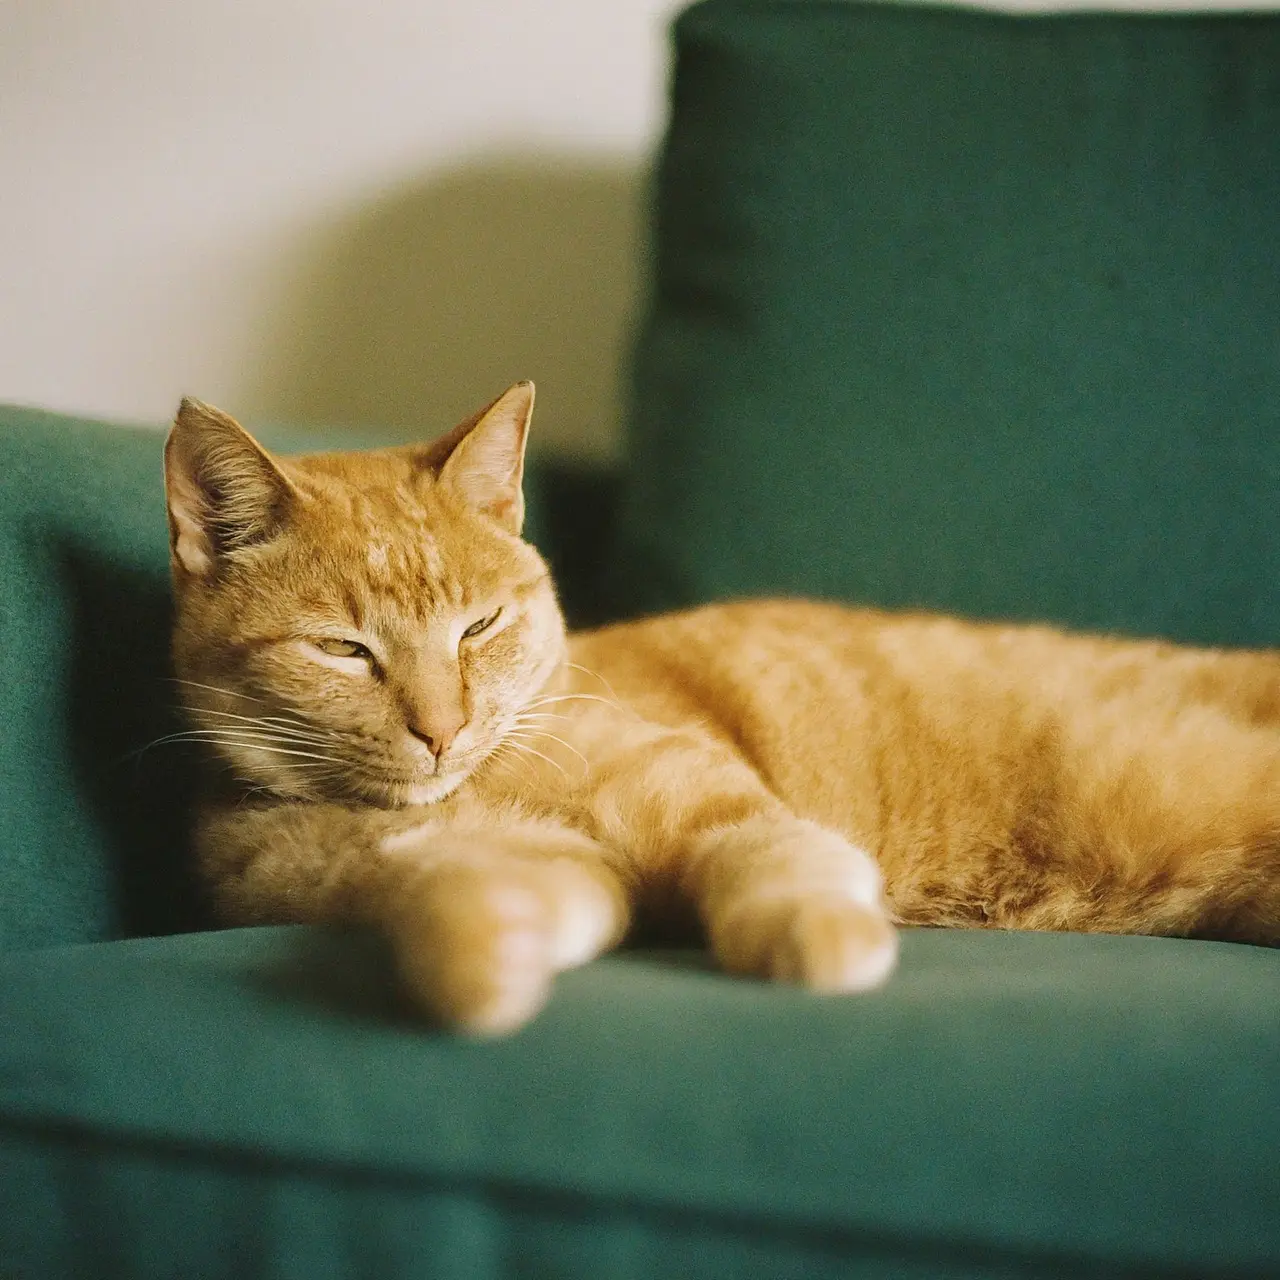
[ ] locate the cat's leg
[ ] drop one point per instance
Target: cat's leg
(787, 899)
(483, 908)
(780, 897)
(1164, 826)
(483, 918)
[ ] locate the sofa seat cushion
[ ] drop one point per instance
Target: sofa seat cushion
(1045, 1104)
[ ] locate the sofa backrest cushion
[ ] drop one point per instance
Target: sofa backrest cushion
(966, 311)
(92, 832)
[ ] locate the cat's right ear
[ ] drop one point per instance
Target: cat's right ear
(223, 490)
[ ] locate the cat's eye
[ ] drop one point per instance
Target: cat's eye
(483, 625)
(341, 648)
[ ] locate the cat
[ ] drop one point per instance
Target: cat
(411, 740)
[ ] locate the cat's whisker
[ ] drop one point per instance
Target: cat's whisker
(536, 724)
(506, 760)
(554, 698)
(231, 738)
(285, 719)
(322, 764)
(198, 735)
(214, 688)
(276, 724)
(521, 746)
(595, 675)
(237, 731)
(522, 734)
(289, 725)
(518, 734)
(265, 730)
(533, 726)
(183, 736)
(542, 715)
(288, 751)
(288, 718)
(544, 699)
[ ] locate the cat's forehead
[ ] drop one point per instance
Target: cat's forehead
(363, 488)
(378, 538)
(357, 500)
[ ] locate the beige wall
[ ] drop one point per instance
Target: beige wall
(318, 210)
(310, 209)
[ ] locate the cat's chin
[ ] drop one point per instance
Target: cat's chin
(388, 791)
(427, 792)
(397, 794)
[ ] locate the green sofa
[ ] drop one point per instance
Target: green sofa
(948, 309)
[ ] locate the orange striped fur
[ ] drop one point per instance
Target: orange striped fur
(411, 739)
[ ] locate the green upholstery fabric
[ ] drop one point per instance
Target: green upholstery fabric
(252, 1104)
(970, 312)
(91, 833)
(91, 830)
(958, 310)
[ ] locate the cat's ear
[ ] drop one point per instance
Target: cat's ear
(485, 461)
(223, 490)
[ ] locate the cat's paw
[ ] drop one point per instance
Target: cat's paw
(793, 901)
(826, 944)
(479, 946)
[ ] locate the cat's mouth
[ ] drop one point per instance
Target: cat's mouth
(360, 779)
(388, 789)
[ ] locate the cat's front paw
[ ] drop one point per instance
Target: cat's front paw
(826, 944)
(475, 949)
(479, 944)
(795, 902)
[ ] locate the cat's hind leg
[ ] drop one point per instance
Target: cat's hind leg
(1171, 832)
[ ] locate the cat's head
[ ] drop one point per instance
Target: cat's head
(358, 626)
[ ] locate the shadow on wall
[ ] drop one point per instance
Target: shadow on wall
(413, 312)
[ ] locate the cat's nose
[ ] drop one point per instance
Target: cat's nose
(438, 730)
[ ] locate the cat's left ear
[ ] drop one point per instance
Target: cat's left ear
(486, 466)
(224, 491)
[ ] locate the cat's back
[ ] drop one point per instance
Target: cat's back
(723, 663)
(789, 661)
(748, 665)
(847, 711)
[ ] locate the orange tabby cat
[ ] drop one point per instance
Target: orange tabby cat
(367, 643)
